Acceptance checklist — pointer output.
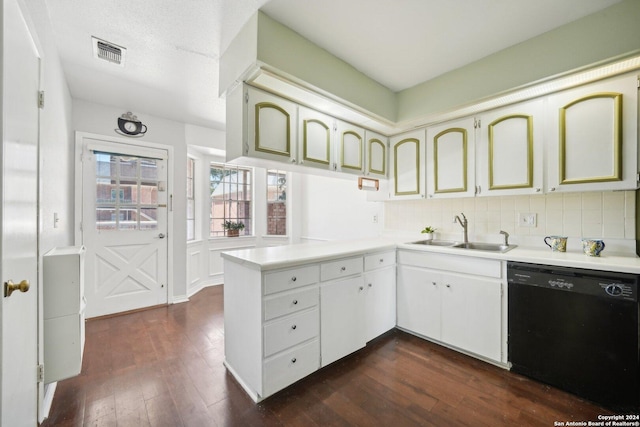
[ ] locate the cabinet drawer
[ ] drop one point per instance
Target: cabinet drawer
(290, 331)
(290, 303)
(383, 259)
(290, 279)
(457, 264)
(289, 367)
(342, 268)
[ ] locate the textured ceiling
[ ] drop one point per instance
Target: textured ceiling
(173, 47)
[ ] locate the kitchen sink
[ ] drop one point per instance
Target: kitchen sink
(491, 247)
(434, 243)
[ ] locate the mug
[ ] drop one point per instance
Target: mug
(592, 247)
(558, 243)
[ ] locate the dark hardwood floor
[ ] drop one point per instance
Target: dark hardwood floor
(163, 367)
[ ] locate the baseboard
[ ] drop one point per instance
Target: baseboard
(49, 391)
(180, 299)
(202, 286)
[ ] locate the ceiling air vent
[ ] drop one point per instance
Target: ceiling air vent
(108, 51)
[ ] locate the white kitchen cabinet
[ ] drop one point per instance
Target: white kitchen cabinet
(594, 137)
(455, 300)
(419, 301)
(271, 126)
(451, 159)
(376, 154)
(64, 310)
(509, 150)
(316, 138)
(350, 153)
(380, 294)
(342, 325)
(408, 165)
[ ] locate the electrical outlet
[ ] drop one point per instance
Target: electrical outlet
(527, 219)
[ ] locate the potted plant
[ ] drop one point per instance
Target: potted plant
(428, 232)
(233, 228)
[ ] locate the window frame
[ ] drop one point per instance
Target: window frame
(249, 218)
(269, 202)
(191, 196)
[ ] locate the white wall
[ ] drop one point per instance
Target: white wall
(334, 209)
(102, 120)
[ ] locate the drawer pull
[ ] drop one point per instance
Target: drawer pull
(294, 360)
(295, 302)
(294, 278)
(343, 269)
(293, 327)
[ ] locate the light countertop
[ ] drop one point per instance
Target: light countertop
(276, 257)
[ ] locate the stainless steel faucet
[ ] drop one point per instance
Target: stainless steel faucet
(506, 237)
(463, 223)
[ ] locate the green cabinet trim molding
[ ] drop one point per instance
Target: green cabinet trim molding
(383, 147)
(265, 106)
(306, 157)
(436, 142)
(491, 129)
(343, 163)
(416, 142)
(616, 139)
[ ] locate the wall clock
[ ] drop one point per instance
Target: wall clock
(129, 125)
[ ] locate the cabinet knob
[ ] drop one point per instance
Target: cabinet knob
(433, 283)
(381, 259)
(295, 302)
(294, 360)
(362, 288)
(370, 285)
(537, 190)
(448, 285)
(343, 269)
(552, 189)
(9, 287)
(293, 279)
(293, 160)
(293, 326)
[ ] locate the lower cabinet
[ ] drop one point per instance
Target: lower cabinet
(380, 295)
(460, 310)
(342, 322)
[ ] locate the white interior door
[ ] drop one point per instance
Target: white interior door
(124, 226)
(19, 213)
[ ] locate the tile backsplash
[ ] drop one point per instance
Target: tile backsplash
(609, 215)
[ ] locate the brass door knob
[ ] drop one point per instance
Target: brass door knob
(9, 287)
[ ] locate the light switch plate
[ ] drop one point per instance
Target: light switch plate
(527, 219)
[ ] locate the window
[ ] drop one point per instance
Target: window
(191, 202)
(230, 190)
(276, 203)
(126, 192)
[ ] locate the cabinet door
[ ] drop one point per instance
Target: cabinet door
(450, 159)
(407, 165)
(418, 301)
(271, 126)
(593, 137)
(509, 150)
(342, 331)
(380, 309)
(471, 314)
(375, 154)
(316, 138)
(350, 155)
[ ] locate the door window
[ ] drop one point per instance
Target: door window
(126, 192)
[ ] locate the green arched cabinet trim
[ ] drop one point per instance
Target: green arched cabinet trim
(327, 144)
(344, 165)
(371, 142)
(258, 147)
(464, 161)
(617, 140)
(395, 167)
(529, 182)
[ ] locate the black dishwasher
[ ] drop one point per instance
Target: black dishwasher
(577, 330)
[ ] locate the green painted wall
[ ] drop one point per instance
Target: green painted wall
(610, 33)
(286, 50)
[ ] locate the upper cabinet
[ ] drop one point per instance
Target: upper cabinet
(594, 137)
(451, 159)
(408, 165)
(271, 126)
(315, 139)
(509, 150)
(350, 153)
(375, 154)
